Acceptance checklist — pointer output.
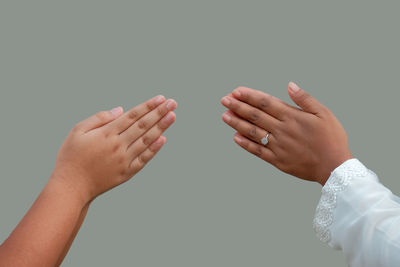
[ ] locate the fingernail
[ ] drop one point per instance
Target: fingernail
(159, 99)
(116, 111)
(169, 117)
(237, 93)
(227, 117)
(294, 87)
(170, 104)
(158, 141)
(238, 138)
(226, 101)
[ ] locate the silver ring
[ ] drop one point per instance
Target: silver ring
(264, 140)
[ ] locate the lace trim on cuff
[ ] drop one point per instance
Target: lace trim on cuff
(340, 178)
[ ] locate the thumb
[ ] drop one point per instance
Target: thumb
(99, 119)
(304, 100)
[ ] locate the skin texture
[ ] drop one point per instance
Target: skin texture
(305, 141)
(99, 153)
(92, 169)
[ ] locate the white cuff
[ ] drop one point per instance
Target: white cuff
(339, 180)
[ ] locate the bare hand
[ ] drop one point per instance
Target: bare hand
(109, 148)
(307, 142)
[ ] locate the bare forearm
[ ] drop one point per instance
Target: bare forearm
(99, 153)
(44, 232)
(74, 233)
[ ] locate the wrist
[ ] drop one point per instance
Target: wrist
(60, 185)
(328, 168)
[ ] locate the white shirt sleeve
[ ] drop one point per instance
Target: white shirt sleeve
(359, 216)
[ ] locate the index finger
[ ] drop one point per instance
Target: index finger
(130, 117)
(263, 101)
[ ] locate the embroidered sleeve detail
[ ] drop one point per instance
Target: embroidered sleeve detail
(340, 178)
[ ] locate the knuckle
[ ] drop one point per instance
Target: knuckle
(133, 167)
(153, 149)
(105, 134)
(254, 116)
(142, 124)
(133, 114)
(162, 125)
(149, 105)
(123, 173)
(265, 102)
(258, 151)
(253, 132)
(146, 140)
(285, 116)
(235, 105)
(116, 147)
(121, 160)
(145, 158)
(141, 161)
(161, 111)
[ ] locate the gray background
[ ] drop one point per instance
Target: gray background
(202, 201)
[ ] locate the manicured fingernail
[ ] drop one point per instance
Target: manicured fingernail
(171, 104)
(159, 99)
(227, 117)
(294, 87)
(169, 117)
(238, 139)
(116, 111)
(226, 101)
(237, 93)
(158, 141)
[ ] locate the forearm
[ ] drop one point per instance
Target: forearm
(358, 215)
(78, 225)
(45, 231)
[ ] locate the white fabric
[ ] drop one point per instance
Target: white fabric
(359, 216)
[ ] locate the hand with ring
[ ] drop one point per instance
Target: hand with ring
(305, 141)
